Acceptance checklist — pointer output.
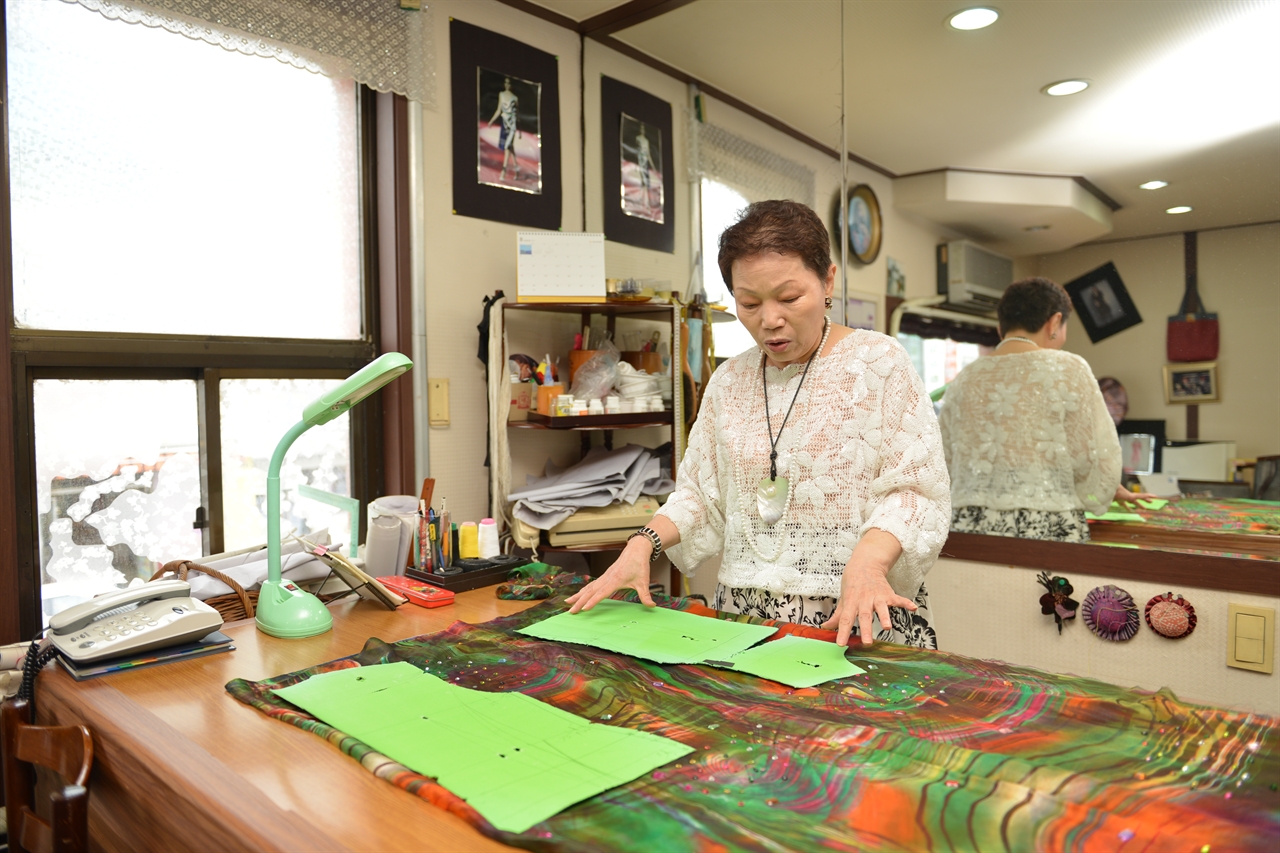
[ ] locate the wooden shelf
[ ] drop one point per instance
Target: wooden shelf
(629, 420)
(585, 549)
(631, 309)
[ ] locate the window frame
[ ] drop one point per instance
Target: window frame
(27, 355)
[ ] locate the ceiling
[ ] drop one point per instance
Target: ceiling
(1182, 90)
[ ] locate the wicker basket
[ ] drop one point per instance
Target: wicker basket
(232, 607)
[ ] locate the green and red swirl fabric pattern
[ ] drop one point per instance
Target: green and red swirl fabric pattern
(925, 751)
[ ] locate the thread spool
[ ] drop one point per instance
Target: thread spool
(488, 538)
(468, 540)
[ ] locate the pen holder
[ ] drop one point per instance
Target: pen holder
(649, 362)
(547, 397)
(577, 358)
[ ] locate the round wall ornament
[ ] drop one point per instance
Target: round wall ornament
(1170, 616)
(865, 226)
(1110, 613)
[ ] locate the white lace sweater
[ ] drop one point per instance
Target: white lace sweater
(861, 450)
(1030, 431)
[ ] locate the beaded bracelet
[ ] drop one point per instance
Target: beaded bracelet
(654, 540)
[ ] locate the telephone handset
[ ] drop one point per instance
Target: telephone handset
(150, 616)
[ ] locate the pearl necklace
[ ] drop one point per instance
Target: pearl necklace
(1017, 338)
(748, 533)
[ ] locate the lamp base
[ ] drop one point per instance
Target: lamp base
(288, 612)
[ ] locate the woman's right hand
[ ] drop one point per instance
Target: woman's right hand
(629, 571)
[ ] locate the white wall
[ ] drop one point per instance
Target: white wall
(1239, 278)
(469, 258)
(993, 612)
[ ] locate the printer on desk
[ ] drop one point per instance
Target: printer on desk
(603, 525)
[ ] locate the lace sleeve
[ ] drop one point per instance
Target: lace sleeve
(695, 506)
(1093, 443)
(911, 493)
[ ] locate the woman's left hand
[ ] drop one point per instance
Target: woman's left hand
(865, 590)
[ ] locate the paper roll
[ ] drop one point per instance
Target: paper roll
(405, 509)
(382, 546)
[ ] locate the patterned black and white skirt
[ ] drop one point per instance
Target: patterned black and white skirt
(908, 629)
(1054, 525)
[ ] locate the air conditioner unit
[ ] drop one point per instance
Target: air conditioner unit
(972, 278)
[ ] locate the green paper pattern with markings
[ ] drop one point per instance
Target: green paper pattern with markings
(516, 760)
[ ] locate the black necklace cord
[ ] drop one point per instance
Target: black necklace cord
(773, 442)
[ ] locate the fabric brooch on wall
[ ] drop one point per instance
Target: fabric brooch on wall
(1057, 602)
(1111, 613)
(1170, 617)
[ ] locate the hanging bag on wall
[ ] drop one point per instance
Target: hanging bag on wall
(1193, 333)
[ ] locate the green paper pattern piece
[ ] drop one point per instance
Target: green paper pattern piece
(1115, 516)
(795, 661)
(1155, 504)
(516, 760)
(653, 633)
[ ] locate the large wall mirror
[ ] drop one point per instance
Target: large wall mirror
(961, 133)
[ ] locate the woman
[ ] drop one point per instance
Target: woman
(815, 466)
(1028, 438)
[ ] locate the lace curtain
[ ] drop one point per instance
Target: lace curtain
(756, 172)
(373, 42)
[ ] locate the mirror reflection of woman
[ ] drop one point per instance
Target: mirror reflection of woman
(1028, 439)
(814, 470)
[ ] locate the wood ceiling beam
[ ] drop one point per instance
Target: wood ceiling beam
(627, 15)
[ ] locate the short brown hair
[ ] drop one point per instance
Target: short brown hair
(1028, 304)
(786, 227)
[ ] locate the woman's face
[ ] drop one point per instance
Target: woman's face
(782, 304)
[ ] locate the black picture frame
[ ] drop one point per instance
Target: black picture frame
(1102, 302)
(475, 50)
(616, 100)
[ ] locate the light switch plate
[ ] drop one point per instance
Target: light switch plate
(1251, 637)
(438, 402)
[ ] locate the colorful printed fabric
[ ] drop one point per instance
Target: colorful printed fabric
(925, 751)
(539, 586)
(1217, 515)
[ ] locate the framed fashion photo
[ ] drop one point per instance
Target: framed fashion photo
(506, 129)
(636, 139)
(1102, 303)
(1191, 382)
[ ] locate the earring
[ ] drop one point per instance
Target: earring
(828, 301)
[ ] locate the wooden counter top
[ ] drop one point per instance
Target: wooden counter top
(180, 764)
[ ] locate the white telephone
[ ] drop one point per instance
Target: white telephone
(150, 616)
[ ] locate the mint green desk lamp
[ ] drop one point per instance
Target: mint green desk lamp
(284, 610)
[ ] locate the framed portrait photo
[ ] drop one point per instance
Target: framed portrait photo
(506, 129)
(1102, 303)
(636, 139)
(1191, 382)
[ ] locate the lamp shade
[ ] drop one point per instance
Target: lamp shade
(355, 388)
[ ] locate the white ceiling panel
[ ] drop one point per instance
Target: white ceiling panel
(1184, 91)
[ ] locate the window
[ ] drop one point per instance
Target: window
(190, 266)
(721, 206)
(938, 360)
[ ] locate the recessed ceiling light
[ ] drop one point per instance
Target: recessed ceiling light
(1065, 87)
(1037, 228)
(974, 19)
(1182, 208)
(1153, 185)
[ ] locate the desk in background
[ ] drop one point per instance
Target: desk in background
(179, 764)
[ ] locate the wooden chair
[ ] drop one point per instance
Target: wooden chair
(66, 750)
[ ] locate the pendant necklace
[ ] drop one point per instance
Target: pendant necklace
(773, 495)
